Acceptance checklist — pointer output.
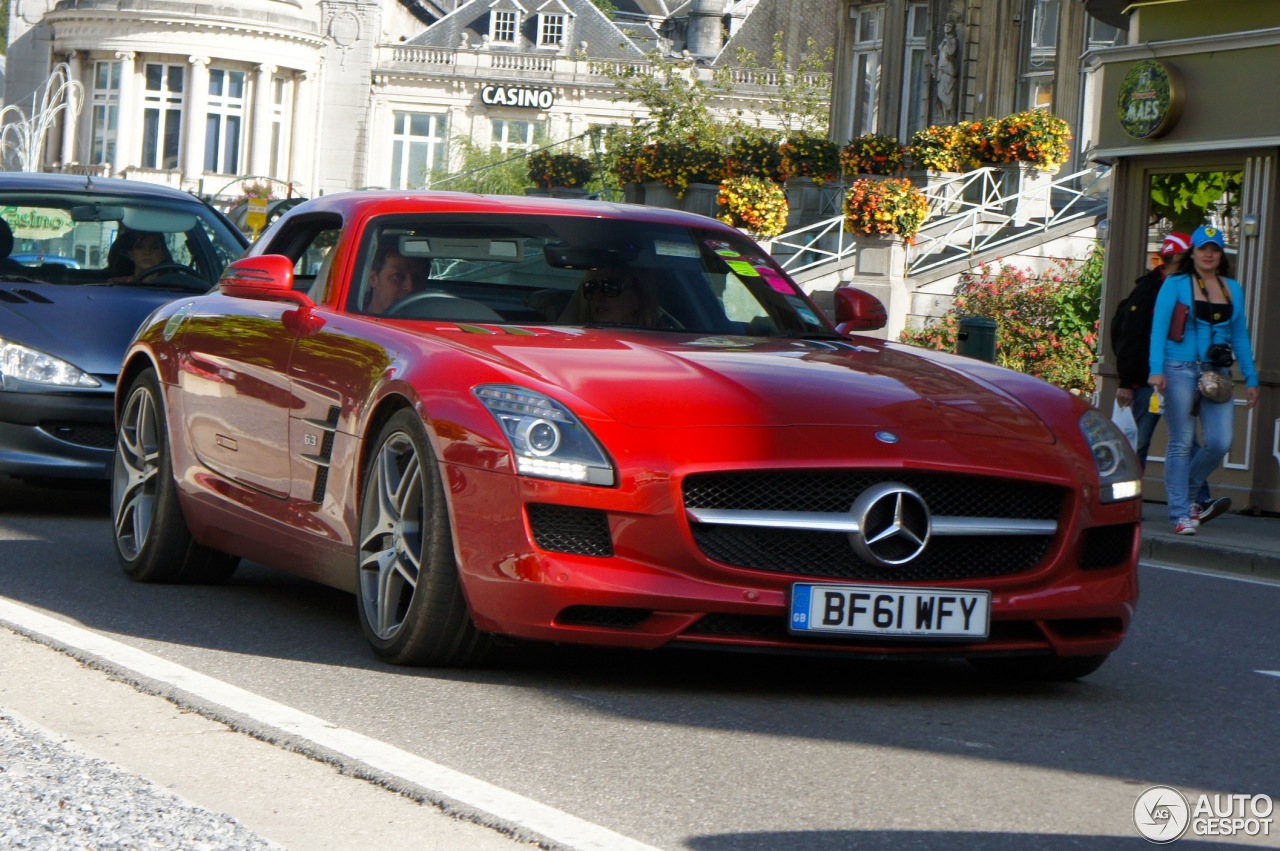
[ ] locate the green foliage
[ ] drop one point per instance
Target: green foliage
(803, 100)
(1184, 199)
(605, 6)
(484, 170)
(677, 99)
(1047, 325)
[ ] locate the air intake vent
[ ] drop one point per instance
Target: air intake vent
(567, 529)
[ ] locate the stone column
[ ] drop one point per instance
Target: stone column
(128, 115)
(70, 125)
(197, 105)
(302, 132)
(260, 122)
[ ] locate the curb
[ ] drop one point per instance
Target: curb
(1245, 561)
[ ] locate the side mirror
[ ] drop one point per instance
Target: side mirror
(267, 277)
(858, 310)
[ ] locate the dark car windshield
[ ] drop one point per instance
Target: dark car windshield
(68, 237)
(570, 270)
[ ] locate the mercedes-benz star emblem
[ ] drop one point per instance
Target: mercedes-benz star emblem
(893, 524)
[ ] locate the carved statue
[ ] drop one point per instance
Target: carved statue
(946, 72)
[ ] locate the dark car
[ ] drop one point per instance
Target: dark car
(578, 422)
(71, 296)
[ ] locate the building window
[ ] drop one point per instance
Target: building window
(551, 30)
(106, 112)
(1039, 53)
(502, 26)
(418, 142)
(868, 48)
(513, 136)
(915, 71)
(224, 121)
(162, 114)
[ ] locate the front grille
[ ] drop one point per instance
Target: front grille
(829, 555)
(568, 529)
(92, 435)
(835, 492)
(1107, 546)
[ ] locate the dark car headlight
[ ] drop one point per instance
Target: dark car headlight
(549, 442)
(1118, 470)
(22, 363)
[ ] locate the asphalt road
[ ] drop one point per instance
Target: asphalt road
(713, 752)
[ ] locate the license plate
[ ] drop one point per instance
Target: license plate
(885, 610)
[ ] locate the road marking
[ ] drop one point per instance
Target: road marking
(1268, 673)
(1217, 574)
(522, 815)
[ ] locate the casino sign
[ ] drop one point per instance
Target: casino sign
(521, 96)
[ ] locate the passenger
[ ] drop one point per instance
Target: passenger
(614, 296)
(393, 277)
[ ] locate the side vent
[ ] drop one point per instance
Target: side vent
(321, 459)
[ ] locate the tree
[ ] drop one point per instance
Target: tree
(802, 103)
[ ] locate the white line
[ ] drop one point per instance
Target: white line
(1268, 673)
(560, 827)
(1216, 574)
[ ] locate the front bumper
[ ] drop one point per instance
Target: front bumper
(57, 435)
(652, 586)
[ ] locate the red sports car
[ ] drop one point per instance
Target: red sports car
(585, 422)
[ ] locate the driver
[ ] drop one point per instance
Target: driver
(137, 252)
(393, 277)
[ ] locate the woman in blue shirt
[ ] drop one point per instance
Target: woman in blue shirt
(1215, 309)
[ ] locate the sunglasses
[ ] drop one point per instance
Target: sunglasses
(609, 286)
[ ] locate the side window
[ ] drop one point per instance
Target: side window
(310, 243)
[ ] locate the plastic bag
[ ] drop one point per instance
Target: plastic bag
(1122, 416)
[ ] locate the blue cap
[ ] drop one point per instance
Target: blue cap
(1206, 234)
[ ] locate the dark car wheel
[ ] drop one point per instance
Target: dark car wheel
(153, 542)
(1043, 668)
(410, 597)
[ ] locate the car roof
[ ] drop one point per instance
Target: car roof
(371, 202)
(37, 182)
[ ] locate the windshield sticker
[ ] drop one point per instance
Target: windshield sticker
(743, 269)
(724, 342)
(666, 248)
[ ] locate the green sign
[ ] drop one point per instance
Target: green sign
(37, 222)
(1150, 100)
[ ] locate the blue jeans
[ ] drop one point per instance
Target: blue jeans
(1147, 422)
(1187, 466)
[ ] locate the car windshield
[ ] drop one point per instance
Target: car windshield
(94, 238)
(583, 271)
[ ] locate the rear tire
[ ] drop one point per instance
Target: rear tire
(1059, 669)
(409, 595)
(153, 542)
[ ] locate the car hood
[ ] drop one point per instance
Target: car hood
(87, 326)
(660, 380)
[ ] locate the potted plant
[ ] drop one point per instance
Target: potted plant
(754, 155)
(559, 171)
(885, 208)
(753, 204)
(1036, 136)
(678, 163)
(871, 154)
(805, 155)
(941, 148)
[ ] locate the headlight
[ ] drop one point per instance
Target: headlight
(1118, 470)
(19, 363)
(548, 441)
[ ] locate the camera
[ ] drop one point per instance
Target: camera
(1220, 355)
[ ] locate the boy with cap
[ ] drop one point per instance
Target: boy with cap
(1131, 343)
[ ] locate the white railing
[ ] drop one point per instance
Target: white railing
(969, 213)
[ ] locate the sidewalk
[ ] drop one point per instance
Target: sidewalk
(1233, 543)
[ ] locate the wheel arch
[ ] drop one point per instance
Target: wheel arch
(137, 363)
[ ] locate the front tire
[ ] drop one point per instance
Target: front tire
(410, 599)
(153, 543)
(1057, 669)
